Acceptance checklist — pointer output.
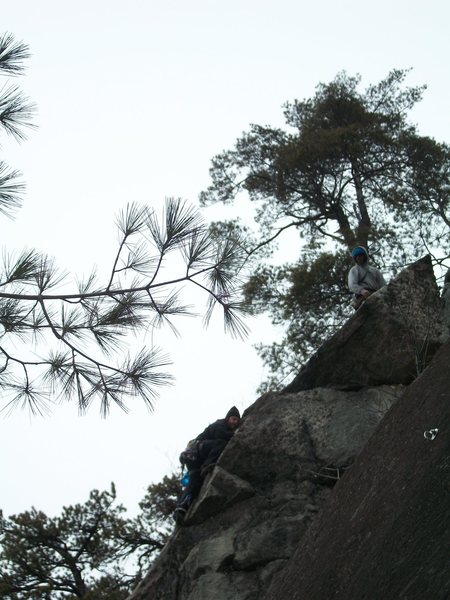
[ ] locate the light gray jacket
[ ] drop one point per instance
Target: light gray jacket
(365, 277)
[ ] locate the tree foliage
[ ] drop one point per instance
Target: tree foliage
(92, 551)
(349, 169)
(16, 112)
(78, 332)
(61, 557)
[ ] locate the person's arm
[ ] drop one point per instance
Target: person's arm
(353, 281)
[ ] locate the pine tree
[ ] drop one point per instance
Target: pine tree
(91, 551)
(350, 169)
(81, 329)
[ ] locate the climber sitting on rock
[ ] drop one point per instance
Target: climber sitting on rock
(363, 279)
(201, 455)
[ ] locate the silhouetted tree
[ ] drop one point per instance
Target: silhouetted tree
(92, 551)
(80, 331)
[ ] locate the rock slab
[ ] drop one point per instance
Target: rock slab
(278, 474)
(267, 488)
(390, 339)
(385, 533)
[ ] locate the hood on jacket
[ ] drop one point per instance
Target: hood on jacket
(233, 412)
(358, 250)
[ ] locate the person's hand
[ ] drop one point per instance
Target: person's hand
(365, 294)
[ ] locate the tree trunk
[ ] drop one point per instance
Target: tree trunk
(364, 224)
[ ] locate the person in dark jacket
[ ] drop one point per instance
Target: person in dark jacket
(202, 455)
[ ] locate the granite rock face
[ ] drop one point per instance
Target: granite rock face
(446, 302)
(280, 470)
(390, 339)
(385, 533)
(270, 482)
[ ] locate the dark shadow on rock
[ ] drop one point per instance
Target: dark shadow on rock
(385, 533)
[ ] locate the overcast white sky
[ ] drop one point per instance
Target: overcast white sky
(134, 99)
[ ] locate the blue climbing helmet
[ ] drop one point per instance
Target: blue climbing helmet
(358, 250)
